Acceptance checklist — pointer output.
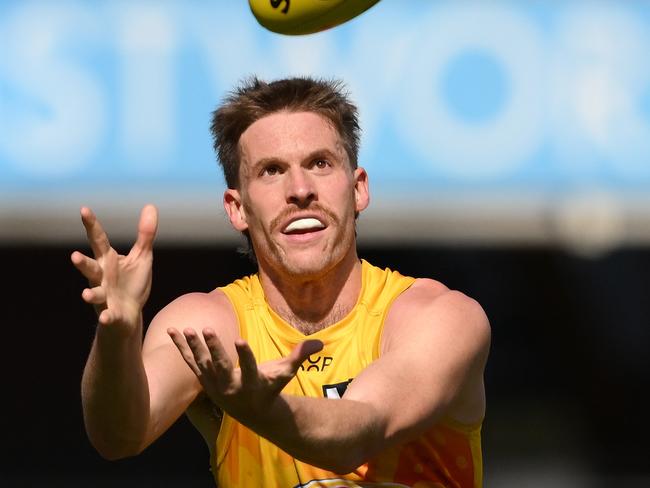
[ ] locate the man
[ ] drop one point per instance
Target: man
(319, 370)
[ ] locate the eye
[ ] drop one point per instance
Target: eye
(321, 163)
(270, 170)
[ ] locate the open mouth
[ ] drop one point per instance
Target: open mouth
(303, 226)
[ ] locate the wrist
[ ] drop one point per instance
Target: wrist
(262, 417)
(120, 333)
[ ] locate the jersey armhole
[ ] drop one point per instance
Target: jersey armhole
(225, 434)
(231, 302)
(389, 306)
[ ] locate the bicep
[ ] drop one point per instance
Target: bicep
(172, 384)
(172, 387)
(434, 358)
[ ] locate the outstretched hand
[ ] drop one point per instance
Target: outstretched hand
(244, 392)
(119, 285)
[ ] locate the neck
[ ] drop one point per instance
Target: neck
(312, 303)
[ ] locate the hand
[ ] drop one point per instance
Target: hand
(119, 285)
(246, 392)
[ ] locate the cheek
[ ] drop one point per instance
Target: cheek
(257, 217)
(349, 197)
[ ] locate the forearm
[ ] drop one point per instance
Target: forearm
(337, 435)
(115, 394)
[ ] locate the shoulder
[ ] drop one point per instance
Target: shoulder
(426, 296)
(197, 307)
(428, 307)
(194, 310)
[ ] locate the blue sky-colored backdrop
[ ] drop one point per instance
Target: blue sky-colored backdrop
(467, 100)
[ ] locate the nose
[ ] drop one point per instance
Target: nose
(300, 189)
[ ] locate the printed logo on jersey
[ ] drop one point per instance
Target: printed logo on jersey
(336, 390)
(316, 363)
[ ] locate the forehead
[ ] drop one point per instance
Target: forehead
(287, 134)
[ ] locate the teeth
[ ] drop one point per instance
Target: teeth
(302, 224)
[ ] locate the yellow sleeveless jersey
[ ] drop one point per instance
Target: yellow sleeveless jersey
(448, 455)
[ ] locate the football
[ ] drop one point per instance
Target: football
(297, 17)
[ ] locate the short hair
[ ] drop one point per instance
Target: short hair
(255, 99)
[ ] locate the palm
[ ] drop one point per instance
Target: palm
(127, 281)
(243, 392)
(119, 285)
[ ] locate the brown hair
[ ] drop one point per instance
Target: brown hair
(255, 99)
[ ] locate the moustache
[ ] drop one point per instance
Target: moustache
(286, 214)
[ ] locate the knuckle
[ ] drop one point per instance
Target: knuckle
(203, 364)
(221, 365)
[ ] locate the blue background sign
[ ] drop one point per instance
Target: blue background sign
(498, 122)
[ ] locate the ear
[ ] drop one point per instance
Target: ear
(235, 209)
(361, 189)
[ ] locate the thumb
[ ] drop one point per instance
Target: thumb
(147, 228)
(302, 351)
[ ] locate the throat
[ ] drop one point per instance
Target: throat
(313, 304)
(309, 325)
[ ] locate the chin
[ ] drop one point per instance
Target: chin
(310, 262)
(308, 266)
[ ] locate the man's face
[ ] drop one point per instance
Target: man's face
(298, 194)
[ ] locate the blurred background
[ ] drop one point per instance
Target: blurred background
(508, 147)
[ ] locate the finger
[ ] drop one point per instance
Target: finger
(95, 296)
(220, 359)
(96, 236)
(88, 267)
(181, 344)
(199, 350)
(283, 370)
(106, 317)
(302, 351)
(247, 363)
(147, 228)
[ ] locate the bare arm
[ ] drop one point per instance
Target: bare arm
(432, 366)
(114, 389)
(131, 392)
